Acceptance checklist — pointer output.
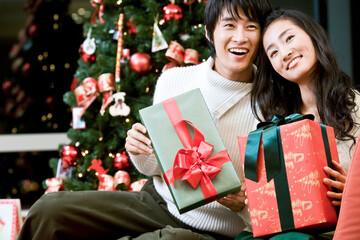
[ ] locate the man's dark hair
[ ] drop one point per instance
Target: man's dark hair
(255, 10)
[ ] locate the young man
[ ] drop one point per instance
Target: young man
(233, 31)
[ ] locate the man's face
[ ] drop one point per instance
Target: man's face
(236, 43)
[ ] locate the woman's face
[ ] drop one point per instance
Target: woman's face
(290, 51)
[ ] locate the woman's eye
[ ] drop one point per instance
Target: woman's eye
(273, 53)
(289, 38)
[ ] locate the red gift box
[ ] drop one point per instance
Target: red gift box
(295, 197)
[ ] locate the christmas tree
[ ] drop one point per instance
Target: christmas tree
(128, 44)
(43, 63)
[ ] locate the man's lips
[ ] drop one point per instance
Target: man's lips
(239, 51)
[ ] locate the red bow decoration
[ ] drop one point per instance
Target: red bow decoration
(178, 56)
(193, 163)
(89, 89)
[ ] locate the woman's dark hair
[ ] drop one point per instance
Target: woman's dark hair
(274, 95)
(255, 10)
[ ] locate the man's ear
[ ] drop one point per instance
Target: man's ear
(206, 34)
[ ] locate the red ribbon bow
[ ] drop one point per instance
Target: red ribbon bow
(193, 163)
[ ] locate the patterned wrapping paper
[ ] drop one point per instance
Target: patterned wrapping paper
(162, 121)
(295, 198)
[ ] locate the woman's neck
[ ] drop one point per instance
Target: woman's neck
(308, 102)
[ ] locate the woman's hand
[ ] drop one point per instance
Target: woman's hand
(137, 142)
(234, 201)
(339, 174)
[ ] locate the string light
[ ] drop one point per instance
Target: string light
(52, 67)
(67, 65)
(77, 144)
(100, 139)
(44, 68)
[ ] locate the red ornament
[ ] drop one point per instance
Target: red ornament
(172, 11)
(69, 154)
(86, 57)
(121, 161)
(140, 62)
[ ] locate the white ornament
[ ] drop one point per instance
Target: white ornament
(89, 45)
(119, 108)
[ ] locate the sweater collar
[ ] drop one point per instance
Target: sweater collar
(217, 89)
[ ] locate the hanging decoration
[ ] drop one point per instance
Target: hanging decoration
(121, 161)
(88, 48)
(178, 56)
(137, 185)
(158, 41)
(131, 27)
(96, 164)
(119, 108)
(119, 48)
(99, 4)
(112, 183)
(89, 89)
(69, 154)
(106, 86)
(140, 62)
(172, 11)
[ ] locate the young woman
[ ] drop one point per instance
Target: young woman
(298, 73)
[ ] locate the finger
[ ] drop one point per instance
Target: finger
(335, 184)
(139, 127)
(136, 146)
(339, 168)
(138, 149)
(135, 135)
(337, 175)
(334, 195)
(336, 203)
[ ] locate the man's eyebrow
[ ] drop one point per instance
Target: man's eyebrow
(280, 36)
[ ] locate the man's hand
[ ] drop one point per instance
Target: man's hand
(235, 201)
(339, 174)
(137, 142)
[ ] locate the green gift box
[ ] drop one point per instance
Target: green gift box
(190, 152)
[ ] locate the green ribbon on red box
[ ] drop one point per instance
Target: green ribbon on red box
(271, 144)
(193, 163)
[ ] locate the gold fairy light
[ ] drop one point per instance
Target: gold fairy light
(44, 68)
(100, 139)
(56, 17)
(52, 67)
(56, 26)
(77, 144)
(40, 57)
(67, 65)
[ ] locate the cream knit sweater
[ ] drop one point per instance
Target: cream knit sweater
(229, 103)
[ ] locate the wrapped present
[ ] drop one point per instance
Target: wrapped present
(190, 152)
(10, 218)
(283, 163)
